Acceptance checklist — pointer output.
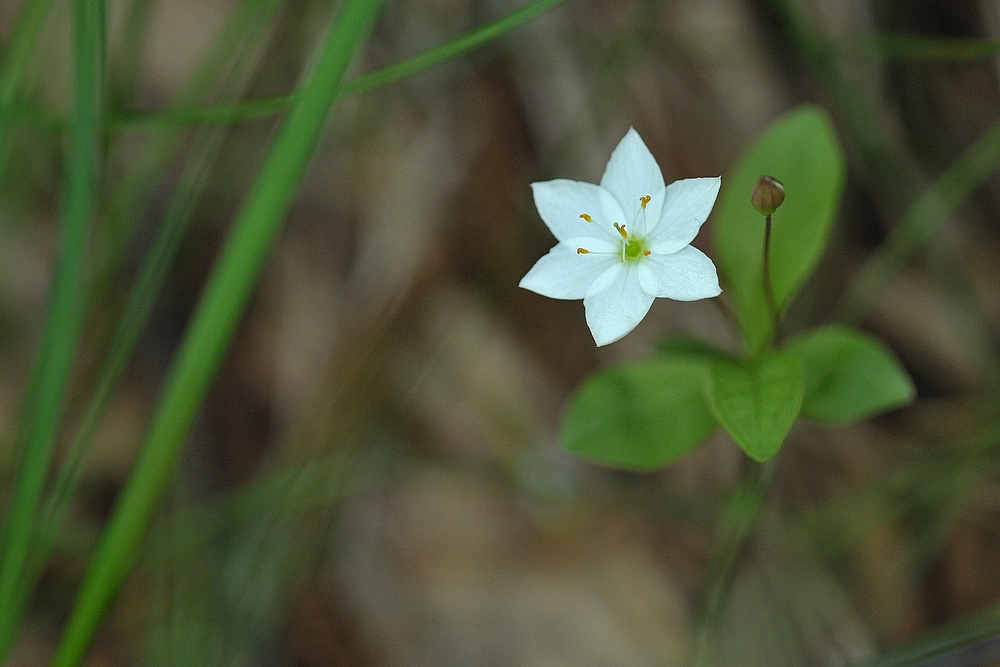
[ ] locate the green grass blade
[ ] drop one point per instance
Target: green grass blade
(214, 323)
(897, 181)
(924, 217)
(440, 54)
(154, 269)
(247, 25)
(945, 643)
(159, 258)
(29, 23)
(231, 113)
(17, 59)
(895, 47)
(240, 65)
(44, 407)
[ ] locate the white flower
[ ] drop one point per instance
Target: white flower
(624, 242)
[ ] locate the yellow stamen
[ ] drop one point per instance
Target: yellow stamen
(621, 230)
(645, 200)
(645, 253)
(586, 217)
(582, 251)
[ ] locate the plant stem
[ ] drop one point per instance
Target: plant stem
(772, 304)
(740, 515)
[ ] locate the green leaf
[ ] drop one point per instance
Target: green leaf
(800, 150)
(849, 375)
(641, 416)
(757, 401)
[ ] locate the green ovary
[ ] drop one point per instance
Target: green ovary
(633, 249)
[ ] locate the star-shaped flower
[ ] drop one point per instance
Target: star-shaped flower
(624, 242)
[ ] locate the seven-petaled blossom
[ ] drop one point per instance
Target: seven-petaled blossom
(624, 242)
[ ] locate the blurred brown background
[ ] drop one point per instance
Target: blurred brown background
(376, 478)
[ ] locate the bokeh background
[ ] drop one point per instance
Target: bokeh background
(376, 478)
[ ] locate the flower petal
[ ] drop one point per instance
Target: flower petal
(686, 275)
(616, 303)
(632, 173)
(565, 274)
(561, 202)
(687, 205)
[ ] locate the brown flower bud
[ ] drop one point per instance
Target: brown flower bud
(767, 195)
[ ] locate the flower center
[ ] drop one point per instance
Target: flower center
(632, 249)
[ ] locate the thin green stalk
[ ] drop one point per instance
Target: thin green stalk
(230, 113)
(213, 326)
(946, 645)
(150, 279)
(922, 220)
(18, 53)
(141, 300)
(772, 304)
(245, 26)
(29, 23)
(741, 514)
(897, 47)
(46, 395)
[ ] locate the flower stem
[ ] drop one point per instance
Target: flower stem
(739, 517)
(772, 304)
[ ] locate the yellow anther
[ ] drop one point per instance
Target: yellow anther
(621, 230)
(582, 251)
(645, 253)
(586, 217)
(645, 200)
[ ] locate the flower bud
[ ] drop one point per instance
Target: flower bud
(767, 195)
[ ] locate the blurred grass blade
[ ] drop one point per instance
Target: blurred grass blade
(138, 308)
(152, 274)
(975, 639)
(896, 179)
(927, 48)
(213, 325)
(125, 62)
(440, 54)
(924, 217)
(17, 57)
(421, 62)
(246, 26)
(249, 21)
(18, 52)
(44, 406)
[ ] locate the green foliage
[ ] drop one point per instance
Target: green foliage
(757, 401)
(649, 413)
(848, 375)
(800, 150)
(641, 415)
